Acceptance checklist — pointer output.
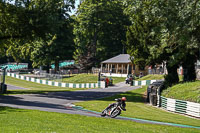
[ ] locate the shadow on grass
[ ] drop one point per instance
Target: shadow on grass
(3, 110)
(51, 100)
(130, 96)
(13, 92)
(66, 97)
(28, 103)
(68, 76)
(91, 95)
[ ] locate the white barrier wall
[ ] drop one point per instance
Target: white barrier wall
(100, 84)
(182, 107)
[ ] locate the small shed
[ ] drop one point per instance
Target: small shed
(120, 66)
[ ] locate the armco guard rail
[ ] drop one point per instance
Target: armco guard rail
(100, 84)
(179, 106)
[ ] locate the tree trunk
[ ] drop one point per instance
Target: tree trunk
(189, 69)
(56, 66)
(48, 66)
(172, 76)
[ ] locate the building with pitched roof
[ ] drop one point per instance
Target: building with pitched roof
(120, 66)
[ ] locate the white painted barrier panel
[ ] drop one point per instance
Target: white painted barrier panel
(77, 85)
(63, 84)
(153, 81)
(171, 104)
(193, 114)
(194, 109)
(102, 84)
(191, 108)
(144, 82)
(87, 85)
(27, 78)
(13, 75)
(43, 81)
(22, 77)
(82, 85)
(56, 83)
(136, 83)
(70, 85)
(171, 108)
(49, 82)
(32, 79)
(38, 80)
(193, 104)
(92, 85)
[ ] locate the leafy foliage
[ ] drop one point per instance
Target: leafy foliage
(28, 26)
(99, 31)
(189, 91)
(164, 31)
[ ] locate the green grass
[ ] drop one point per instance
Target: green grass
(81, 78)
(118, 79)
(40, 88)
(136, 108)
(152, 77)
(189, 91)
(25, 121)
(34, 87)
(156, 77)
(88, 78)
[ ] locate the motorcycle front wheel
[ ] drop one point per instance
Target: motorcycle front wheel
(103, 113)
(115, 113)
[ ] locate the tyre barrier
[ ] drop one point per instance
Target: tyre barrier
(100, 84)
(178, 106)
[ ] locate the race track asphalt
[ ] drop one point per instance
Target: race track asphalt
(62, 102)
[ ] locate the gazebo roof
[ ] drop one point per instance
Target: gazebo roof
(122, 58)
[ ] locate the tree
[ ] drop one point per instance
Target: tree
(99, 31)
(38, 21)
(164, 31)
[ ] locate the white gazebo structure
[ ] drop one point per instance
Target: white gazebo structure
(118, 66)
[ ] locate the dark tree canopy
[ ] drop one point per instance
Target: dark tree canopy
(38, 30)
(99, 32)
(165, 31)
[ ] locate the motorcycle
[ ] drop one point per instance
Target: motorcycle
(112, 110)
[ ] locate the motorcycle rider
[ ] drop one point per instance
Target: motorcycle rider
(120, 102)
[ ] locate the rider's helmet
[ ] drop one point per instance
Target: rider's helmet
(123, 98)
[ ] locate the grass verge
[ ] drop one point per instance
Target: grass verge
(152, 77)
(34, 87)
(156, 77)
(189, 91)
(88, 78)
(23, 121)
(136, 108)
